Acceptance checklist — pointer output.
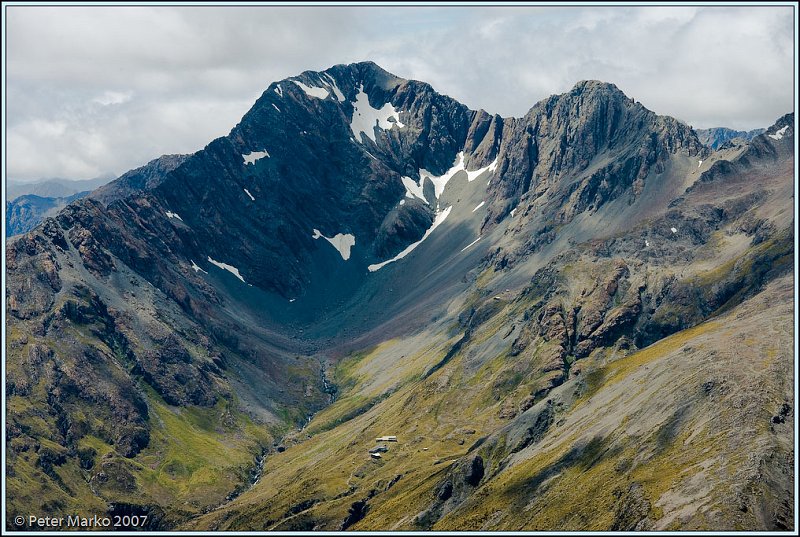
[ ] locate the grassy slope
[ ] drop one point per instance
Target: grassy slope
(315, 482)
(688, 419)
(195, 457)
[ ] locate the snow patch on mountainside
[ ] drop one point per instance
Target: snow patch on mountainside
(170, 214)
(458, 166)
(471, 176)
(481, 204)
(249, 194)
(440, 217)
(365, 117)
(342, 242)
(275, 107)
(413, 190)
(470, 244)
(230, 268)
(439, 182)
(196, 268)
(312, 91)
(250, 158)
(339, 95)
(779, 133)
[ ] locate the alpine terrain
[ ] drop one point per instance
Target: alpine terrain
(27, 204)
(369, 307)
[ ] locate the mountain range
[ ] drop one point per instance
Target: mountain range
(25, 212)
(579, 319)
(716, 137)
(27, 204)
(54, 187)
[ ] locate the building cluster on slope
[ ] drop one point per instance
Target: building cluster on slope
(375, 452)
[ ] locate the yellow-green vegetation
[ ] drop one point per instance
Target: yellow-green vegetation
(196, 455)
(436, 419)
(688, 444)
(485, 277)
(195, 458)
(575, 478)
(435, 424)
(27, 485)
(772, 255)
(619, 369)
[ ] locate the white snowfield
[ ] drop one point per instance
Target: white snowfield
(279, 90)
(339, 95)
(249, 194)
(458, 166)
(779, 133)
(673, 230)
(197, 268)
(342, 242)
(440, 217)
(514, 210)
(312, 91)
(481, 204)
(170, 214)
(366, 118)
(275, 107)
(250, 158)
(413, 190)
(471, 176)
(230, 268)
(699, 163)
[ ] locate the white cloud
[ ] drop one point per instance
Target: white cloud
(109, 98)
(100, 89)
(712, 66)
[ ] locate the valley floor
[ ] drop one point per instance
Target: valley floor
(694, 432)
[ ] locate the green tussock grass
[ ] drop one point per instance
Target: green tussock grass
(198, 455)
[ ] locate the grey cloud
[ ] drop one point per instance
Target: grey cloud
(708, 66)
(94, 89)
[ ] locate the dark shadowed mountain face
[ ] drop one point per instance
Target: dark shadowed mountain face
(135, 181)
(362, 256)
(25, 211)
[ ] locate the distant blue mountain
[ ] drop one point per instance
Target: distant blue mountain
(25, 212)
(716, 137)
(54, 188)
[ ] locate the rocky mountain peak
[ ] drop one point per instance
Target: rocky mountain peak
(595, 86)
(593, 138)
(143, 178)
(785, 122)
(360, 156)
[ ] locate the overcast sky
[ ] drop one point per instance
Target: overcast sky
(92, 90)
